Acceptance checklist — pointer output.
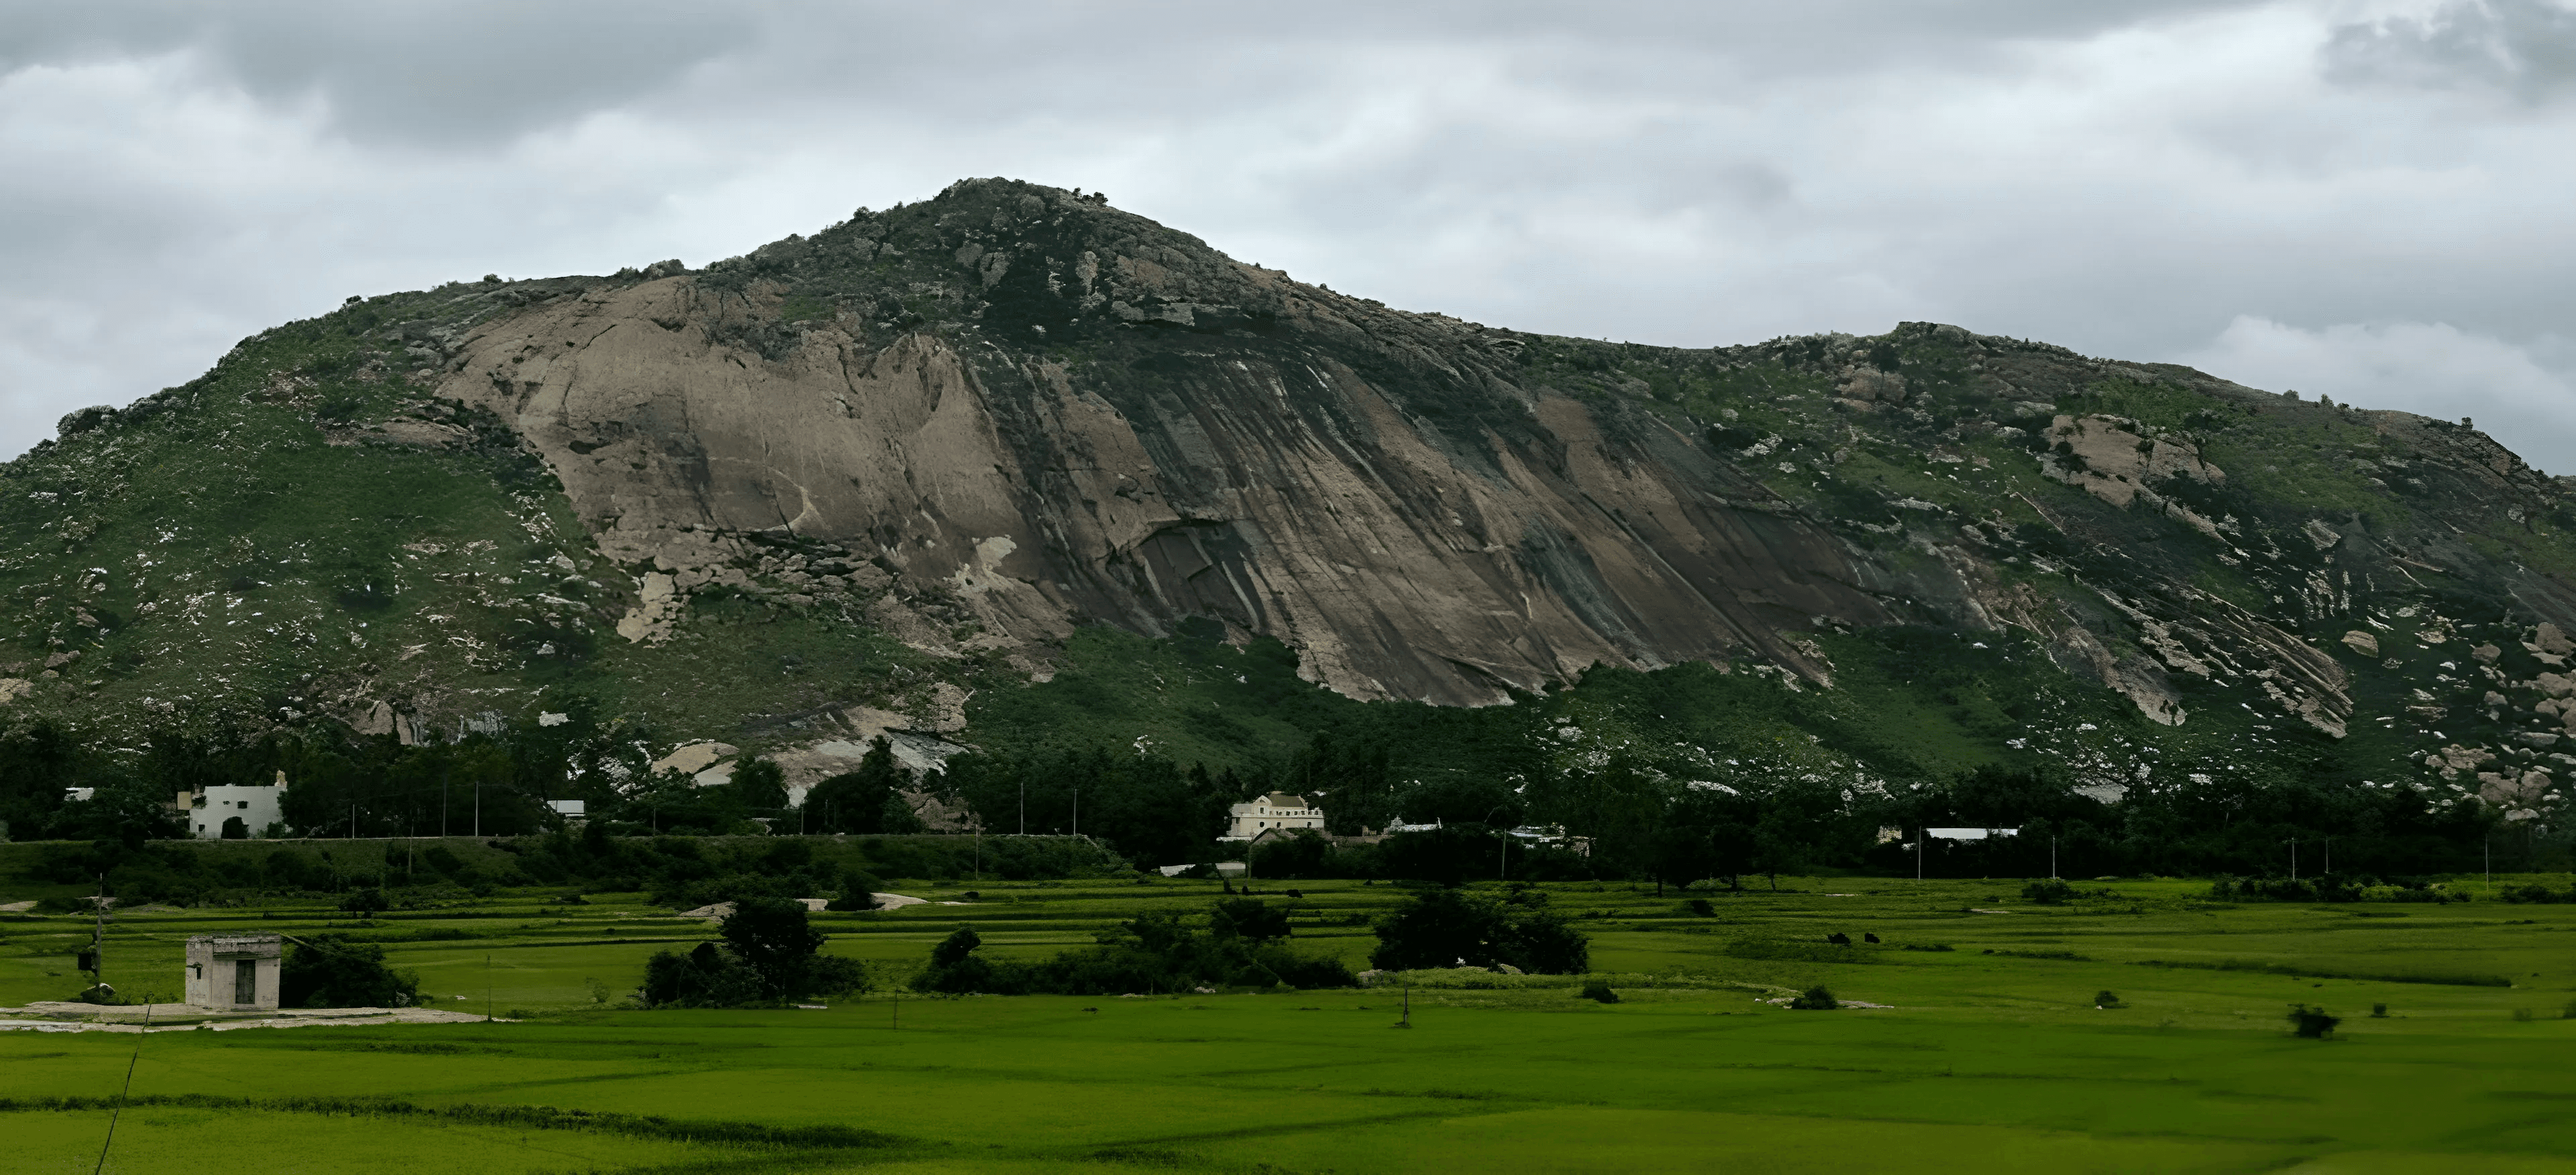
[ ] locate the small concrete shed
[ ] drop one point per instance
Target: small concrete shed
(235, 972)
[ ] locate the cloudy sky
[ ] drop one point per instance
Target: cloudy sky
(2349, 198)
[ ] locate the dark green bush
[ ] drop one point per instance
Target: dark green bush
(1598, 991)
(1456, 928)
(1814, 999)
(2312, 1023)
(2048, 892)
(332, 971)
(1152, 952)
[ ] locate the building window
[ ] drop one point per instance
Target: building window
(246, 981)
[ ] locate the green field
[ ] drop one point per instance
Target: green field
(1981, 1061)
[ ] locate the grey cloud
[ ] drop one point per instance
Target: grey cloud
(405, 71)
(2526, 48)
(2129, 179)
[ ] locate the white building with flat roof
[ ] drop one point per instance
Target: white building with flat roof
(234, 812)
(1276, 810)
(235, 972)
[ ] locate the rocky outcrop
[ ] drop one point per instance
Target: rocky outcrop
(1281, 490)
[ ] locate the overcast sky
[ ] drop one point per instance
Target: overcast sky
(2339, 197)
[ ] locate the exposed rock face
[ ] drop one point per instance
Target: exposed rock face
(1277, 488)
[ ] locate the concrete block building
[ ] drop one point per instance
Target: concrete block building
(234, 812)
(235, 972)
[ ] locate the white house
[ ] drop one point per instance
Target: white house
(234, 812)
(1261, 814)
(234, 972)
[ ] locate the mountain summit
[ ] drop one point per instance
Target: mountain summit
(877, 478)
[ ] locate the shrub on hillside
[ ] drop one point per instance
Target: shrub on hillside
(1814, 999)
(2312, 1023)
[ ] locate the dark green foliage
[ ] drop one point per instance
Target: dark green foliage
(1814, 999)
(1248, 919)
(366, 903)
(760, 784)
(865, 801)
(775, 939)
(858, 891)
(1302, 854)
(1462, 928)
(704, 977)
(2312, 1023)
(334, 971)
(1153, 952)
(516, 1117)
(2048, 891)
(1147, 807)
(2380, 1011)
(1598, 991)
(2107, 1000)
(770, 953)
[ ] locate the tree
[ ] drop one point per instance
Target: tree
(1814, 999)
(954, 965)
(863, 801)
(1456, 928)
(704, 977)
(1248, 919)
(1299, 855)
(760, 784)
(773, 937)
(330, 971)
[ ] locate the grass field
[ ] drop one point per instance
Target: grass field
(1982, 1061)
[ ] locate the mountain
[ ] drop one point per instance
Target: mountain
(1009, 466)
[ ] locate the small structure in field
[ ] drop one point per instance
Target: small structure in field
(235, 972)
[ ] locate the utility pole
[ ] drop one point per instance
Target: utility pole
(2052, 858)
(478, 809)
(98, 934)
(1024, 805)
(1077, 807)
(1923, 834)
(2330, 854)
(487, 989)
(2294, 860)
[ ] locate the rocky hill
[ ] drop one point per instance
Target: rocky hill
(956, 468)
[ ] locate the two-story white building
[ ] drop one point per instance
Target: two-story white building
(1278, 810)
(234, 812)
